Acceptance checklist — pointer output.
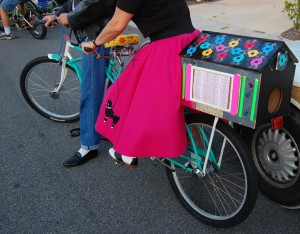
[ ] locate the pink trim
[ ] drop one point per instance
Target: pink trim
(187, 92)
(235, 94)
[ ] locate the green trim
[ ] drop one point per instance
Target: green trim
(242, 96)
(183, 81)
(254, 100)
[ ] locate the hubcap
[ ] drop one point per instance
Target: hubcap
(277, 157)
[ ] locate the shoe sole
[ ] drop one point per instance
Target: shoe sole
(125, 164)
(78, 164)
(121, 162)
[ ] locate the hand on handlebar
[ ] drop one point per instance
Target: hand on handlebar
(88, 47)
(49, 20)
(63, 19)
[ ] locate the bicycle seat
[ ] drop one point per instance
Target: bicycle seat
(130, 39)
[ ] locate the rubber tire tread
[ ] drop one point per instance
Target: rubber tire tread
(44, 29)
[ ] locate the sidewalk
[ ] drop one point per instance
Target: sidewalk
(261, 19)
(255, 18)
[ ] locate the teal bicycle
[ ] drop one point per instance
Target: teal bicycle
(51, 84)
(215, 179)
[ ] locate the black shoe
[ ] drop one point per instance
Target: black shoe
(76, 159)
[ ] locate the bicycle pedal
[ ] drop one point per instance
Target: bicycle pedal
(75, 132)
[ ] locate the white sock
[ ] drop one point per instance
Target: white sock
(83, 152)
(7, 30)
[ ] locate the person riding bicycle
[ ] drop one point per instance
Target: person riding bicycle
(87, 18)
(7, 6)
(141, 112)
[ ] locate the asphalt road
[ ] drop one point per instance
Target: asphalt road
(39, 195)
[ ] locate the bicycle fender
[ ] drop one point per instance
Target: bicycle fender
(53, 56)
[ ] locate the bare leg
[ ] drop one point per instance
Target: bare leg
(4, 17)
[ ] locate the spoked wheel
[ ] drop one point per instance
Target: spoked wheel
(54, 7)
(50, 7)
(36, 29)
(38, 81)
(226, 195)
(276, 155)
(30, 6)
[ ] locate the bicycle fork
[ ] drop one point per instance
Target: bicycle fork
(63, 74)
(64, 60)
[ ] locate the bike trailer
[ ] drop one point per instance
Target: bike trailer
(242, 79)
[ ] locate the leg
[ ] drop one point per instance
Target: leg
(6, 35)
(91, 96)
(4, 17)
(5, 7)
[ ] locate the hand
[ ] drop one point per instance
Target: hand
(63, 19)
(88, 47)
(49, 21)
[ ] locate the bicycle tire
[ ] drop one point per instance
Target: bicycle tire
(55, 6)
(51, 7)
(39, 30)
(224, 197)
(31, 6)
(37, 82)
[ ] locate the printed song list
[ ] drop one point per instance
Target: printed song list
(211, 88)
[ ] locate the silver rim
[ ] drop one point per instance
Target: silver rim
(222, 193)
(276, 156)
(40, 83)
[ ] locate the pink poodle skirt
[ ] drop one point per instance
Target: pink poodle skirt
(141, 113)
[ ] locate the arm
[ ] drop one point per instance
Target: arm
(87, 11)
(50, 18)
(114, 28)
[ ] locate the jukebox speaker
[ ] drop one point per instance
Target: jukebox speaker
(242, 79)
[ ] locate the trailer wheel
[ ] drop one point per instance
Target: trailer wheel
(277, 158)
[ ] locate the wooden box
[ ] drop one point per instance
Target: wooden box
(242, 79)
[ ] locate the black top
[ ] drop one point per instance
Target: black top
(159, 19)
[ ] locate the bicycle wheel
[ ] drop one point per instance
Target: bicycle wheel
(38, 80)
(37, 30)
(30, 6)
(54, 6)
(226, 195)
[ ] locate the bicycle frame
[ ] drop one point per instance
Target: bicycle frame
(200, 154)
(218, 196)
(20, 13)
(67, 59)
